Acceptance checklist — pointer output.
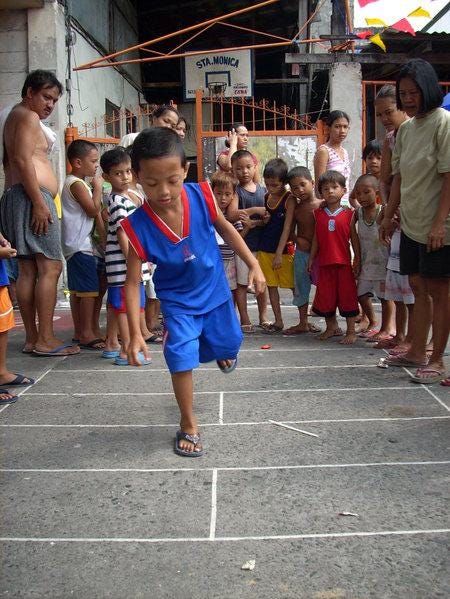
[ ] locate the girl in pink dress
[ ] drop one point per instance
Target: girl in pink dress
(332, 156)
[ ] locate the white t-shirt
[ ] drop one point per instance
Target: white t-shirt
(76, 225)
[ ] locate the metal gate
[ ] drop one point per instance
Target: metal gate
(273, 131)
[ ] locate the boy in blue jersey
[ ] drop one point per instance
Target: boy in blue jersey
(175, 229)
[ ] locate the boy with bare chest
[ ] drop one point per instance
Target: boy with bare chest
(302, 187)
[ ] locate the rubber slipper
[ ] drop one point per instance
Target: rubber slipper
(12, 398)
(227, 369)
(93, 345)
(272, 329)
(118, 361)
(247, 328)
(27, 351)
(194, 439)
(401, 361)
(58, 351)
(110, 353)
(368, 333)
(20, 380)
(428, 380)
(376, 338)
(154, 338)
(446, 382)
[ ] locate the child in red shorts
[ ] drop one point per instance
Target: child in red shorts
(7, 323)
(334, 230)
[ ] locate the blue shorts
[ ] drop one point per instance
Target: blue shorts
(193, 338)
(82, 275)
(302, 279)
(12, 268)
(116, 298)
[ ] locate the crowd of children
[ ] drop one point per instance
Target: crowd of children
(203, 248)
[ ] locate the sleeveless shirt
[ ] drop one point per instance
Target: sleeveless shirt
(333, 235)
(189, 278)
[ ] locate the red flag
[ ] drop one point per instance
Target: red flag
(363, 3)
(403, 25)
(363, 35)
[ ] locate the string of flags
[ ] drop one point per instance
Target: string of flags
(401, 25)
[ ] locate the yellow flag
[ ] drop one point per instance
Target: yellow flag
(375, 22)
(419, 12)
(376, 39)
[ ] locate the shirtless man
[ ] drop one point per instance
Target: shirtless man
(302, 221)
(28, 215)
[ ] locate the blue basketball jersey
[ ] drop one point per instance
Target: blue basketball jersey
(189, 278)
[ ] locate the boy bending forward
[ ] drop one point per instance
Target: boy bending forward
(174, 229)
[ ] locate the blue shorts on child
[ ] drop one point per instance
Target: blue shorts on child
(193, 338)
(116, 298)
(83, 275)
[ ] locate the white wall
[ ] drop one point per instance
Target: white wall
(91, 87)
(13, 59)
(346, 95)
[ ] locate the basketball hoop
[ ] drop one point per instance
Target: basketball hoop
(217, 88)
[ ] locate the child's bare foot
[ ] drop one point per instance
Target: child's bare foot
(302, 327)
(348, 339)
(330, 333)
(297, 329)
(365, 324)
(400, 348)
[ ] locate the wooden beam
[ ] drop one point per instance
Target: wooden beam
(366, 58)
(163, 84)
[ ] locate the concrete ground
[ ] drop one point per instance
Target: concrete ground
(95, 504)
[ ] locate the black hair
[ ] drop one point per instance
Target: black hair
(335, 115)
(79, 148)
(276, 168)
(372, 147)
(299, 171)
(156, 142)
(331, 177)
(113, 157)
(241, 154)
(424, 76)
(183, 119)
(234, 126)
(39, 79)
(368, 179)
(161, 110)
(387, 91)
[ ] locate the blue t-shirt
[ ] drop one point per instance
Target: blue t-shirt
(248, 199)
(189, 278)
(271, 232)
(4, 280)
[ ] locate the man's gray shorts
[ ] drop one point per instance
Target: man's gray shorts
(15, 224)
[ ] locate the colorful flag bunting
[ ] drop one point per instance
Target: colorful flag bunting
(419, 12)
(403, 25)
(376, 22)
(363, 35)
(376, 39)
(363, 3)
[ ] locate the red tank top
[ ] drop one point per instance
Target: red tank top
(333, 235)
